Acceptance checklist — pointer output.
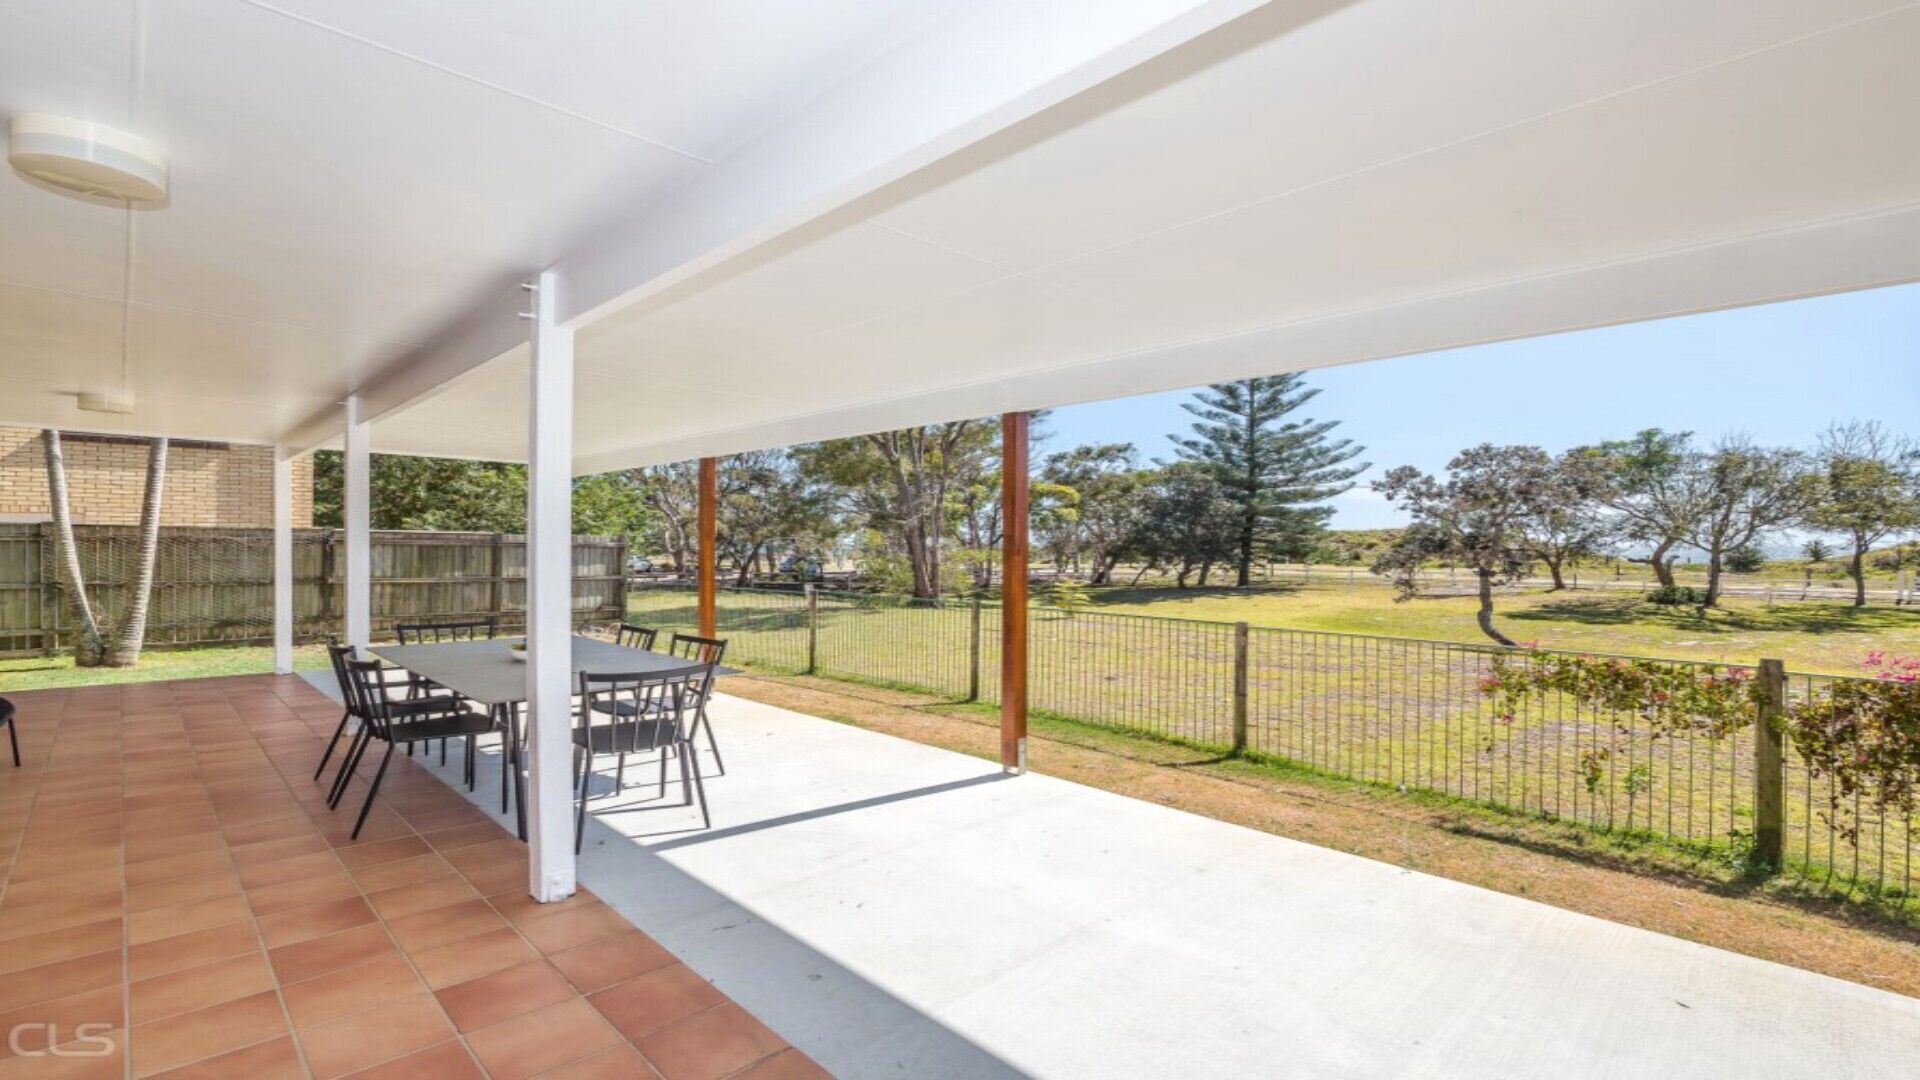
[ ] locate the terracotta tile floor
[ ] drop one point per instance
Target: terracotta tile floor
(170, 872)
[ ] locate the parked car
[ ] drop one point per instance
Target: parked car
(639, 564)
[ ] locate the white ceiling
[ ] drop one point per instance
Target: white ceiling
(346, 177)
(1308, 184)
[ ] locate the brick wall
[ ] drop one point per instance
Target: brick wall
(208, 486)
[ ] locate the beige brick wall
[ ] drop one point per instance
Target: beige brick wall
(231, 487)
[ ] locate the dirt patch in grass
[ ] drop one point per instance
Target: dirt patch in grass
(1613, 878)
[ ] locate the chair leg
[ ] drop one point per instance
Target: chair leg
(443, 751)
(13, 736)
(366, 807)
(473, 761)
(620, 774)
(339, 730)
(506, 732)
(691, 766)
(663, 773)
(700, 720)
(580, 812)
(349, 764)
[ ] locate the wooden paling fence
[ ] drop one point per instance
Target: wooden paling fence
(216, 585)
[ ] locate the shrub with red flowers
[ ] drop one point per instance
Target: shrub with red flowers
(1865, 735)
(1669, 699)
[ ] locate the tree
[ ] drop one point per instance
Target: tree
(765, 501)
(91, 647)
(610, 504)
(133, 623)
(1748, 559)
(1187, 520)
(94, 648)
(768, 504)
(426, 493)
(1476, 518)
(1639, 479)
(1278, 472)
(900, 483)
(1107, 484)
(1566, 520)
(1868, 489)
(1739, 493)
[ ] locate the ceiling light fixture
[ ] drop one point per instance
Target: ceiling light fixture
(88, 158)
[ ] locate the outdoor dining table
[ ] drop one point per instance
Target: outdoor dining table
(485, 673)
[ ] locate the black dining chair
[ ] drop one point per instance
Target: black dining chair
(399, 721)
(637, 713)
(708, 651)
(337, 654)
(13, 736)
(434, 633)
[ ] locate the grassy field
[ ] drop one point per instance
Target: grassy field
(1403, 711)
(156, 665)
(1831, 638)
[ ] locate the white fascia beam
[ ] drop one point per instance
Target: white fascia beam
(1861, 252)
(989, 65)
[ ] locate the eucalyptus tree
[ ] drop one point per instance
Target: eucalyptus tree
(1740, 493)
(1107, 482)
(1186, 521)
(1868, 489)
(1476, 517)
(1278, 472)
(901, 484)
(1642, 481)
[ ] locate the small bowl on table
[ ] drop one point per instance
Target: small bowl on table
(518, 651)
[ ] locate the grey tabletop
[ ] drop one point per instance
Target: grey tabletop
(486, 673)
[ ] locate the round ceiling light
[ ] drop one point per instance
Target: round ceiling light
(87, 158)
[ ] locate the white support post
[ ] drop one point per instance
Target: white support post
(550, 818)
(282, 562)
(358, 515)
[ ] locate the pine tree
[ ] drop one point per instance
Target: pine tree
(1278, 472)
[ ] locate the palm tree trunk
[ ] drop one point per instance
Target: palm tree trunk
(86, 651)
(133, 626)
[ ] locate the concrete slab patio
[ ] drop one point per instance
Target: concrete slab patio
(894, 909)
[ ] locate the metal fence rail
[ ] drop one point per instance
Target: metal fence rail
(1406, 713)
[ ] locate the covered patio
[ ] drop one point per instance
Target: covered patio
(604, 237)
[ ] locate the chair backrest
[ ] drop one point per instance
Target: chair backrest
(619, 698)
(704, 649)
(369, 690)
(338, 655)
(427, 633)
(636, 637)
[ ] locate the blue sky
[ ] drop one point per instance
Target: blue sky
(1779, 373)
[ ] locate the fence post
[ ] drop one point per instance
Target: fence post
(1769, 766)
(973, 652)
(813, 629)
(1239, 688)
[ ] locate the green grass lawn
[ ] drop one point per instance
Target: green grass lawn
(1825, 637)
(49, 672)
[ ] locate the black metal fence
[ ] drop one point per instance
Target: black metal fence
(1404, 713)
